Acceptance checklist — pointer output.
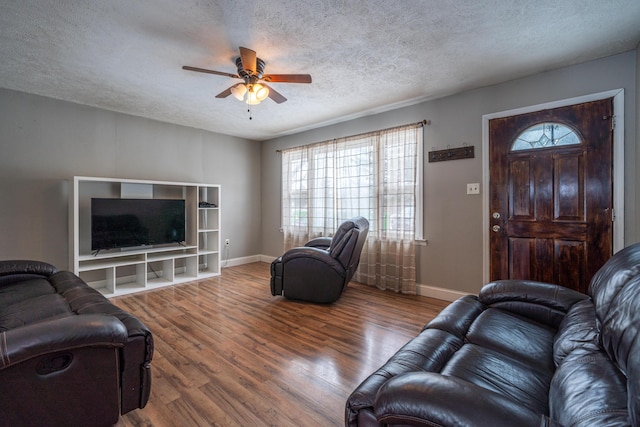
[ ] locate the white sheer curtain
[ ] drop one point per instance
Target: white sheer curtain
(377, 175)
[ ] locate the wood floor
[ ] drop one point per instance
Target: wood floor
(227, 353)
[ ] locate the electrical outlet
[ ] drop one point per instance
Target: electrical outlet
(226, 242)
(473, 188)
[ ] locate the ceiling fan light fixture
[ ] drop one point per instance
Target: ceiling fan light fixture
(238, 91)
(256, 94)
(261, 92)
(251, 70)
(252, 100)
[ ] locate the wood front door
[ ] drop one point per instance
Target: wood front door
(551, 194)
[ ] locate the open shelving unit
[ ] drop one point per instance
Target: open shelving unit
(123, 271)
(209, 229)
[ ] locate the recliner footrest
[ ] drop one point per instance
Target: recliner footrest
(276, 277)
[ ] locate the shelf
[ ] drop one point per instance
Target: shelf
(208, 262)
(107, 264)
(119, 272)
(158, 281)
(171, 255)
(132, 252)
(127, 288)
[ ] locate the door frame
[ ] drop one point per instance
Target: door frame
(618, 164)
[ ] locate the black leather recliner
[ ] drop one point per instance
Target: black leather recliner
(521, 353)
(68, 356)
(319, 271)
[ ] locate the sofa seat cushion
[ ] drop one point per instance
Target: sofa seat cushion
(33, 310)
(509, 377)
(30, 299)
(434, 400)
(428, 352)
(589, 390)
(25, 290)
(521, 339)
(509, 355)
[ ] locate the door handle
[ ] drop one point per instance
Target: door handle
(496, 228)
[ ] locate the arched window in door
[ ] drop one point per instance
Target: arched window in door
(545, 135)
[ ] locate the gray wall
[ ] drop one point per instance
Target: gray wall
(453, 220)
(45, 142)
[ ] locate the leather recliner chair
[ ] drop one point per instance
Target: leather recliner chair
(520, 353)
(320, 270)
(68, 356)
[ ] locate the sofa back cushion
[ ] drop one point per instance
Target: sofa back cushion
(615, 290)
(587, 387)
(577, 330)
(12, 270)
(347, 244)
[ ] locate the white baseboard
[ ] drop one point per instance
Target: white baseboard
(439, 293)
(423, 290)
(233, 262)
(267, 258)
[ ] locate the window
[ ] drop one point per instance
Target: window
(377, 175)
(544, 135)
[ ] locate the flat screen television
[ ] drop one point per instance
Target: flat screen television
(125, 223)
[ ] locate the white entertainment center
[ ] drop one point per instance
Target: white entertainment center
(122, 271)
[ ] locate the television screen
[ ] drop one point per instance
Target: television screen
(122, 223)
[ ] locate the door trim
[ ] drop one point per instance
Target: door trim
(618, 164)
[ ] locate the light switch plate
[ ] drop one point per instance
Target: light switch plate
(473, 188)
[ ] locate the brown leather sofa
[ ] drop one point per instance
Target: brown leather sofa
(519, 354)
(68, 357)
(320, 270)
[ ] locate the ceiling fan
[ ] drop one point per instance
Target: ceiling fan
(251, 70)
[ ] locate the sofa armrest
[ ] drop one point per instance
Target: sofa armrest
(428, 399)
(66, 333)
(319, 242)
(310, 255)
(544, 302)
(62, 372)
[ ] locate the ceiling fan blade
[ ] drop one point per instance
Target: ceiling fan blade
(227, 92)
(249, 62)
(276, 96)
(287, 78)
(203, 70)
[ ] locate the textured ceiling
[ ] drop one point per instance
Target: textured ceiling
(364, 56)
